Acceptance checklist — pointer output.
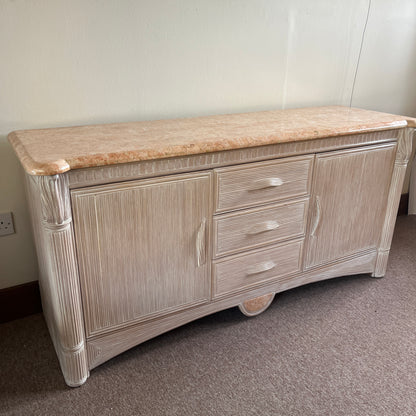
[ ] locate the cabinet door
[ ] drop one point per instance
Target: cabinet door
(348, 202)
(142, 248)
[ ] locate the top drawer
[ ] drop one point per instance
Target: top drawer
(257, 183)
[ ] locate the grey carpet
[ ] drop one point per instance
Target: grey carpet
(345, 346)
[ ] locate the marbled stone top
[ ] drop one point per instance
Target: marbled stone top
(53, 151)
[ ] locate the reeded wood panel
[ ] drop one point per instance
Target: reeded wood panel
(142, 248)
(245, 270)
(256, 227)
(101, 349)
(349, 199)
(412, 184)
(50, 208)
(262, 182)
(404, 150)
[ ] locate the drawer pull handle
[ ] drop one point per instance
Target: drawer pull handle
(201, 256)
(266, 183)
(260, 268)
(263, 227)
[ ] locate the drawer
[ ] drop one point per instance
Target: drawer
(257, 183)
(256, 227)
(245, 270)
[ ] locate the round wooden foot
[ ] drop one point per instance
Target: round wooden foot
(253, 307)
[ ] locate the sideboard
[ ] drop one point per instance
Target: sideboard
(142, 227)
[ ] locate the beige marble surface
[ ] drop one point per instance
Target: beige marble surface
(53, 151)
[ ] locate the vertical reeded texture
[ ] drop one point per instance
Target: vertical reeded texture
(55, 204)
(142, 248)
(51, 213)
(404, 149)
(412, 185)
(349, 197)
(130, 253)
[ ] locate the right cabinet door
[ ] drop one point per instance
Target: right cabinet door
(348, 202)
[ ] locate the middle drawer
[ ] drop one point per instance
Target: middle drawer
(256, 227)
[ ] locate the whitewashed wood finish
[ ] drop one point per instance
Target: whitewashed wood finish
(348, 202)
(137, 307)
(257, 227)
(102, 348)
(241, 271)
(412, 184)
(256, 306)
(58, 278)
(150, 168)
(142, 248)
(404, 150)
(262, 182)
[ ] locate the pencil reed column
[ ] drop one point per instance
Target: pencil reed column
(59, 282)
(404, 149)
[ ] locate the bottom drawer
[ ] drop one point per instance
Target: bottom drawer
(242, 271)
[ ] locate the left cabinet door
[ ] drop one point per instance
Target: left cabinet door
(143, 248)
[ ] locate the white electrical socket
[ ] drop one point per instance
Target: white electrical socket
(6, 224)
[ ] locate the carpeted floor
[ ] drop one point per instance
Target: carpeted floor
(345, 346)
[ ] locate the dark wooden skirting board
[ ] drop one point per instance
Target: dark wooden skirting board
(404, 204)
(23, 300)
(19, 301)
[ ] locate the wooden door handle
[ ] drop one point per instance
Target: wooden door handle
(261, 268)
(266, 183)
(317, 215)
(201, 255)
(263, 227)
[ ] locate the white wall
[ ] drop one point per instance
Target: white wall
(89, 61)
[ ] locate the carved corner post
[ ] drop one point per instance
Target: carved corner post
(404, 149)
(61, 299)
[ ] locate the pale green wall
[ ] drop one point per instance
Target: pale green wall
(89, 61)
